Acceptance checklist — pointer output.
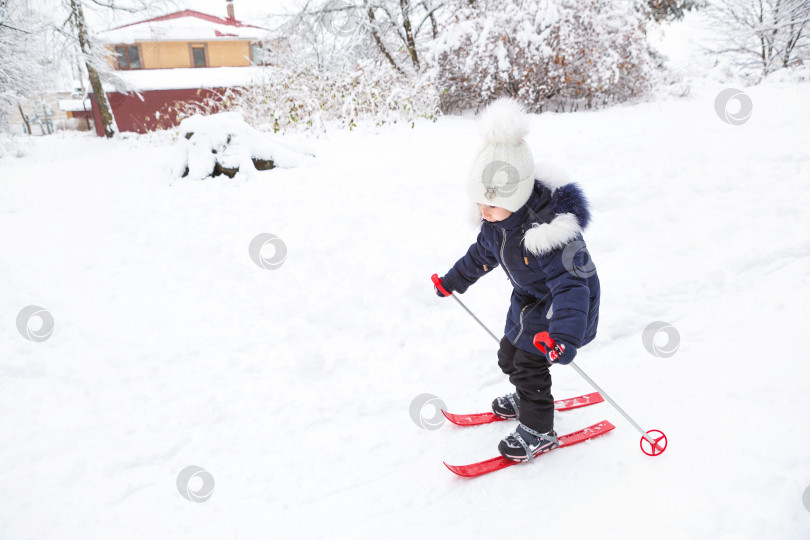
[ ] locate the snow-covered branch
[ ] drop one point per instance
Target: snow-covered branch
(24, 64)
(771, 34)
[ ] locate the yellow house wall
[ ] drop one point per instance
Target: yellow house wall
(167, 54)
(176, 54)
(229, 53)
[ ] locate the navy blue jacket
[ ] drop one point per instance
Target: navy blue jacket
(541, 250)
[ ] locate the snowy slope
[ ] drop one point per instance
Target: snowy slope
(292, 386)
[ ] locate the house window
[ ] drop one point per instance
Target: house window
(199, 56)
(128, 57)
(257, 54)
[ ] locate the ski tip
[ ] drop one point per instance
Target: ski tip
(472, 419)
(603, 427)
(455, 419)
(461, 470)
(595, 398)
(480, 468)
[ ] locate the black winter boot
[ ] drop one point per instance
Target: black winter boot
(525, 443)
(506, 406)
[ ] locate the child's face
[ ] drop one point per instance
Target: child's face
(494, 213)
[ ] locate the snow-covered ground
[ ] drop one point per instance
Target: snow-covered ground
(292, 386)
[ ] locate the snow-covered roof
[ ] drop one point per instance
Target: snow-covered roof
(74, 105)
(171, 79)
(182, 26)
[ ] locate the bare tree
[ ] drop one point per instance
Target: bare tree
(321, 35)
(92, 58)
(402, 25)
(762, 34)
(24, 60)
(335, 33)
(95, 56)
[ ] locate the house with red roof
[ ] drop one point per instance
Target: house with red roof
(162, 63)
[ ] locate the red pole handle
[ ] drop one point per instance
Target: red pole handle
(543, 338)
(438, 283)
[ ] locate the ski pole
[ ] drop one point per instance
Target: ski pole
(544, 337)
(438, 283)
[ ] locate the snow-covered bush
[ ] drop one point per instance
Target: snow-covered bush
(224, 144)
(303, 98)
(792, 75)
(10, 147)
(672, 10)
(549, 54)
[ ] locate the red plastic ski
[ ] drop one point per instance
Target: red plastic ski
(500, 462)
(488, 417)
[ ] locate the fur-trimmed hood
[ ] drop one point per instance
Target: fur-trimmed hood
(556, 213)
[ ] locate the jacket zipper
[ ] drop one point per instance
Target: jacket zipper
(517, 337)
(503, 261)
(521, 317)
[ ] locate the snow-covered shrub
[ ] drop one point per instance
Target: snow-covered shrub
(224, 144)
(303, 98)
(70, 124)
(10, 147)
(792, 75)
(549, 54)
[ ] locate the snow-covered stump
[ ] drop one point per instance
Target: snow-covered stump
(224, 144)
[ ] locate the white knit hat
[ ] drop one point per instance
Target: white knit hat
(502, 173)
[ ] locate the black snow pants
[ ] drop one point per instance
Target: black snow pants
(529, 373)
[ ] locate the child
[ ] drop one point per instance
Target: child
(531, 225)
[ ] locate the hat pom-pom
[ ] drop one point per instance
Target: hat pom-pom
(504, 122)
